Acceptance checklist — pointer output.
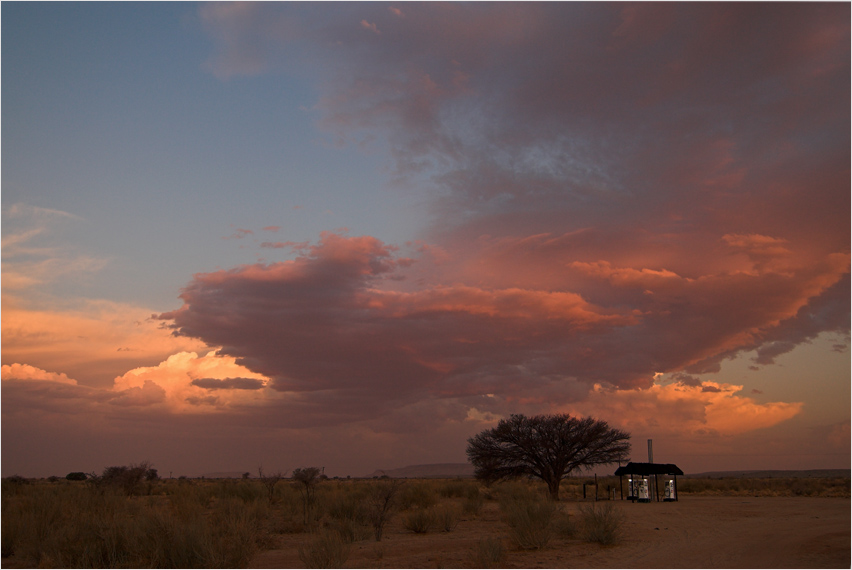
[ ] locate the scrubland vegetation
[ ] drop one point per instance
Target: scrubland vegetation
(766, 487)
(130, 518)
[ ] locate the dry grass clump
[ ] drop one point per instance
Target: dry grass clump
(446, 517)
(419, 495)
(325, 550)
(457, 488)
(348, 512)
(473, 502)
(419, 521)
(601, 523)
(530, 520)
(489, 553)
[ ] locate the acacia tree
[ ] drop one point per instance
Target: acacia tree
(546, 446)
(307, 479)
(269, 481)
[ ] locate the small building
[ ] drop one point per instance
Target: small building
(639, 486)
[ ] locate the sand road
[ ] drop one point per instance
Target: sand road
(695, 532)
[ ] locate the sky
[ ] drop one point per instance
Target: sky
(353, 235)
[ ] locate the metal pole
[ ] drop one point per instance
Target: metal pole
(677, 495)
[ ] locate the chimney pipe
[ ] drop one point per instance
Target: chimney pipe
(650, 451)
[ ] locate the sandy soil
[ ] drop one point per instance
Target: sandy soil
(695, 532)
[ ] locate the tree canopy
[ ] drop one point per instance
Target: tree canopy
(546, 446)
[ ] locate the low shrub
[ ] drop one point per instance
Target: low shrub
(381, 499)
(474, 502)
(326, 550)
(602, 523)
(446, 517)
(456, 488)
(489, 553)
(564, 526)
(417, 496)
(530, 520)
(419, 521)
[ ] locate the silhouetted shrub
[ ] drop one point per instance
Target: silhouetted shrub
(16, 480)
(127, 478)
(380, 504)
(306, 480)
(76, 476)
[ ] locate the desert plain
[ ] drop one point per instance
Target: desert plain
(731, 522)
(694, 532)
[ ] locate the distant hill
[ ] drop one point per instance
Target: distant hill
(431, 471)
(801, 474)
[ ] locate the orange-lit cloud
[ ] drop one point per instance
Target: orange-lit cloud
(27, 372)
(183, 383)
(709, 408)
(93, 341)
(192, 383)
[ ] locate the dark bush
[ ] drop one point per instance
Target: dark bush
(17, 480)
(128, 478)
(76, 476)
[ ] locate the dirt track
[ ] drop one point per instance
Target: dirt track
(696, 532)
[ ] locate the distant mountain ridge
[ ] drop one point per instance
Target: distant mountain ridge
(430, 471)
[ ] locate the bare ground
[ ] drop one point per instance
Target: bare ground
(695, 532)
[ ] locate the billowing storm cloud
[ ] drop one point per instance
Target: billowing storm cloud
(618, 191)
(616, 201)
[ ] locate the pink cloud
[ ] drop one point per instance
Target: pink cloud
(330, 325)
(291, 245)
(371, 27)
(239, 234)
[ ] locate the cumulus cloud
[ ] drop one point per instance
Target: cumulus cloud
(92, 340)
(181, 384)
(187, 380)
(27, 372)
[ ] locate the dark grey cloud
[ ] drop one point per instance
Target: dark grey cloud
(228, 383)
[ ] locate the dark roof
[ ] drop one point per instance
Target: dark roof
(649, 469)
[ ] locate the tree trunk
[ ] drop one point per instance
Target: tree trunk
(553, 487)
